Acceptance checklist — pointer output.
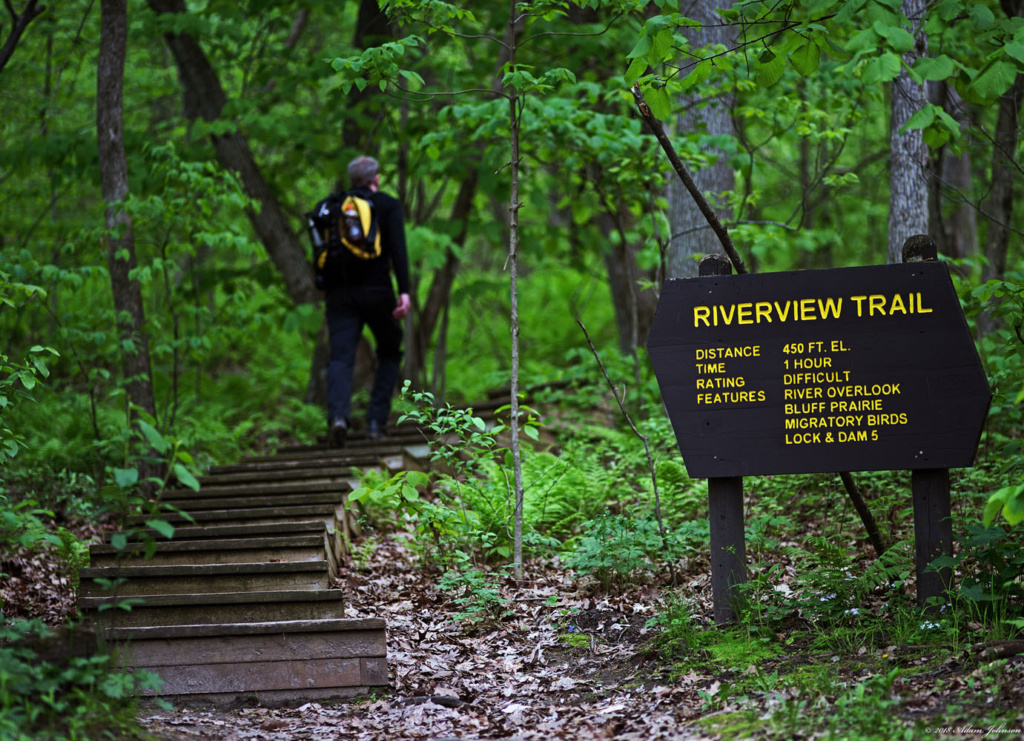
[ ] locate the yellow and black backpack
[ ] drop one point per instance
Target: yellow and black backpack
(342, 226)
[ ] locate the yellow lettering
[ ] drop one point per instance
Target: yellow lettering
(701, 314)
(833, 306)
(764, 311)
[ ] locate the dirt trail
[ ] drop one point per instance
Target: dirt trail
(563, 665)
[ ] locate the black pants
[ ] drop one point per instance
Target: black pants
(349, 309)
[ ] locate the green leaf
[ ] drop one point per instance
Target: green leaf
(659, 102)
(806, 58)
(153, 437)
(1013, 506)
(126, 477)
(661, 46)
(161, 526)
(770, 69)
(981, 16)
(417, 478)
(637, 68)
(119, 541)
(992, 506)
(934, 68)
(922, 119)
(185, 477)
(994, 80)
(881, 69)
(1015, 50)
(899, 38)
(698, 74)
(641, 47)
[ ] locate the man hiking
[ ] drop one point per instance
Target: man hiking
(359, 292)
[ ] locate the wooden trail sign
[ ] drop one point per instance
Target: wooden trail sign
(868, 368)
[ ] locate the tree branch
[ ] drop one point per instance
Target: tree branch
(643, 439)
(684, 176)
(874, 535)
(568, 33)
(18, 25)
(427, 97)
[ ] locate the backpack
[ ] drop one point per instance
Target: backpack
(342, 226)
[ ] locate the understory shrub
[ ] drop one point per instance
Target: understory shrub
(614, 548)
(63, 697)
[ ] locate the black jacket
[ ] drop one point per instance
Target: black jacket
(392, 247)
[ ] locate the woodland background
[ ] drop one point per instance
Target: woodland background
(157, 309)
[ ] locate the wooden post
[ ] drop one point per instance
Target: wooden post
(933, 531)
(933, 510)
(725, 513)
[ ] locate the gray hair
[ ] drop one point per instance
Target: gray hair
(361, 171)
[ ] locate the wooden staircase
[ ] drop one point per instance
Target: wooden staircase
(238, 607)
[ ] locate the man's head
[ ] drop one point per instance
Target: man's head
(362, 171)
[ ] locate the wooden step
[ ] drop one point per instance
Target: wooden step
(249, 478)
(210, 609)
(269, 499)
(353, 449)
(282, 464)
(273, 663)
(410, 458)
(150, 579)
(241, 515)
(215, 551)
(213, 531)
(340, 483)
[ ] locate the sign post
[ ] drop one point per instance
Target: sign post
(725, 513)
(850, 369)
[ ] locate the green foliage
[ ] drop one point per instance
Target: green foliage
(989, 566)
(865, 711)
(679, 632)
(18, 379)
(478, 593)
(80, 697)
(615, 548)
(21, 526)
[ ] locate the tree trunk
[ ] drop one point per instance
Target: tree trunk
(120, 238)
(207, 97)
(514, 111)
(952, 219)
(691, 237)
(634, 308)
(908, 159)
(1004, 173)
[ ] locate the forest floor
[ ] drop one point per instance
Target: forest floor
(571, 662)
(574, 662)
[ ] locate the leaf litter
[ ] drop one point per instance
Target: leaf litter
(513, 679)
(568, 663)
(571, 663)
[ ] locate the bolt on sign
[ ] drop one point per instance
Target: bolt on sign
(852, 369)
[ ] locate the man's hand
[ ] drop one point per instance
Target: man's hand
(404, 303)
